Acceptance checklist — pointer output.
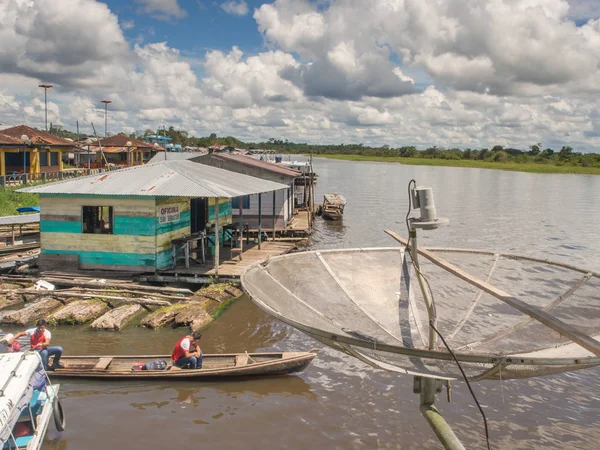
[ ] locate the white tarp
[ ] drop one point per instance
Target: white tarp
(20, 374)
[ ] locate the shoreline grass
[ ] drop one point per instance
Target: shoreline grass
(10, 200)
(469, 163)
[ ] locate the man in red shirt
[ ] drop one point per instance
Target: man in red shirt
(187, 353)
(39, 338)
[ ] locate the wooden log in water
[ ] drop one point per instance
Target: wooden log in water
(193, 315)
(66, 294)
(162, 316)
(79, 311)
(120, 285)
(31, 313)
(8, 300)
(117, 318)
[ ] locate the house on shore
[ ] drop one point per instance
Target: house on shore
(279, 206)
(133, 219)
(26, 150)
(122, 150)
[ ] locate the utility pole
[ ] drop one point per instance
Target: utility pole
(106, 102)
(46, 87)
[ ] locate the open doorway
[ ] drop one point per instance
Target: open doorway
(199, 214)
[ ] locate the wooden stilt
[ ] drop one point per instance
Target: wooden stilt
(259, 219)
(274, 218)
(241, 233)
(216, 237)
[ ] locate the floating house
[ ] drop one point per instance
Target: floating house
(132, 219)
(122, 150)
(277, 208)
(26, 150)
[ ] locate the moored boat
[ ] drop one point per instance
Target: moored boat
(333, 206)
(226, 365)
(26, 401)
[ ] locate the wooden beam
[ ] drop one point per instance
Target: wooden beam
(259, 220)
(534, 312)
(274, 218)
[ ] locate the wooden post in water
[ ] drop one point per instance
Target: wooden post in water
(259, 219)
(274, 218)
(216, 236)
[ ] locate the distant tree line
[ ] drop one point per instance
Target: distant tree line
(534, 154)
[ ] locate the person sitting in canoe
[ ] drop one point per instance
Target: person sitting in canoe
(183, 356)
(39, 338)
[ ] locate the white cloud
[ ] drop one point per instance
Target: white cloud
(508, 72)
(584, 9)
(235, 7)
(162, 9)
(127, 24)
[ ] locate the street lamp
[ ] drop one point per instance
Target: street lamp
(106, 102)
(46, 87)
(128, 145)
(26, 141)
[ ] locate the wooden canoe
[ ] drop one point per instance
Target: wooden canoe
(224, 365)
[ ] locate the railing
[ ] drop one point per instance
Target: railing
(22, 179)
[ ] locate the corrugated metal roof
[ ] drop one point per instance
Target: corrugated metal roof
(173, 156)
(169, 178)
(249, 161)
(20, 220)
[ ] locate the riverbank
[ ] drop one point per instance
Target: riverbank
(511, 166)
(10, 200)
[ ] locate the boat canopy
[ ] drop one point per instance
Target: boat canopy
(335, 199)
(20, 375)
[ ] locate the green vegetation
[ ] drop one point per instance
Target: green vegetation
(224, 307)
(10, 200)
(521, 167)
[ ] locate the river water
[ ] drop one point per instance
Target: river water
(338, 402)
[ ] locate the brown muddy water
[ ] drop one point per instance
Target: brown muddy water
(338, 402)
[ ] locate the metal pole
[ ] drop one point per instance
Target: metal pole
(106, 120)
(424, 288)
(46, 106)
(443, 431)
(259, 219)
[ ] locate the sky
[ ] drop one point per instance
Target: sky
(449, 73)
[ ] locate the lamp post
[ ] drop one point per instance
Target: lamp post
(26, 141)
(106, 102)
(46, 87)
(128, 145)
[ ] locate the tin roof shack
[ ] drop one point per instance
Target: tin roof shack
(277, 208)
(31, 151)
(129, 219)
(123, 150)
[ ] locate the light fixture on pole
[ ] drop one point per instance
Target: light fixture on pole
(26, 142)
(106, 102)
(128, 145)
(46, 87)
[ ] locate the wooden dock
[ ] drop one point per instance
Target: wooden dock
(229, 269)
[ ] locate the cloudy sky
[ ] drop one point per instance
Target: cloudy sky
(467, 73)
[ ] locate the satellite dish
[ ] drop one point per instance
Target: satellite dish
(503, 315)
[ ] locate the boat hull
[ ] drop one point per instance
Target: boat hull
(216, 366)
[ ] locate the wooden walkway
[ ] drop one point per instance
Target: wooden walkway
(228, 269)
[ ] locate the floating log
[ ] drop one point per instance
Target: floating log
(193, 315)
(117, 300)
(31, 313)
(162, 316)
(126, 285)
(124, 291)
(117, 318)
(80, 311)
(8, 300)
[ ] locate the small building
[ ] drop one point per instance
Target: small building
(129, 219)
(26, 150)
(122, 150)
(279, 205)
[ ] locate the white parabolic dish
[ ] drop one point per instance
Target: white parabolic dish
(367, 303)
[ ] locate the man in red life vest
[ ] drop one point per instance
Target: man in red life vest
(39, 338)
(187, 353)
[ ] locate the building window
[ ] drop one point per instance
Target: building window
(54, 159)
(235, 202)
(98, 219)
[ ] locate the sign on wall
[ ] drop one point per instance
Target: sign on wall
(168, 214)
